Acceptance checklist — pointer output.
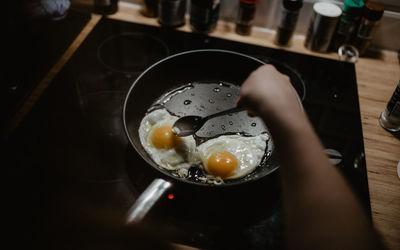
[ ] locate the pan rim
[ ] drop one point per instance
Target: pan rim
(155, 165)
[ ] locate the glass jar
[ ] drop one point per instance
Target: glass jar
(150, 8)
(246, 13)
(348, 23)
(204, 15)
(390, 117)
(372, 14)
(172, 13)
(289, 15)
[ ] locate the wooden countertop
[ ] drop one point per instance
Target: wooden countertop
(376, 78)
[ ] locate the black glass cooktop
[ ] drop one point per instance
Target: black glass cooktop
(71, 175)
(30, 49)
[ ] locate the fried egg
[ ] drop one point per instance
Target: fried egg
(232, 156)
(166, 149)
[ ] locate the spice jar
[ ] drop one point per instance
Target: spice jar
(348, 22)
(289, 15)
(150, 8)
(246, 13)
(204, 15)
(371, 16)
(172, 13)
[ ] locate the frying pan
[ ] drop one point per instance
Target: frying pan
(211, 66)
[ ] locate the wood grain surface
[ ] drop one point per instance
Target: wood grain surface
(376, 78)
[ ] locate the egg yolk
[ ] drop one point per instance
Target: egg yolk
(163, 137)
(222, 164)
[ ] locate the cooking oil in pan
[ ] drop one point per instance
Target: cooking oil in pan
(203, 99)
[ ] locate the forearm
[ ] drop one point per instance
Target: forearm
(321, 210)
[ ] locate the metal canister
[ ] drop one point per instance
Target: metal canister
(322, 26)
(204, 15)
(172, 12)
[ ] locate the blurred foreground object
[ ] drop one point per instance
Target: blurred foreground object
(46, 9)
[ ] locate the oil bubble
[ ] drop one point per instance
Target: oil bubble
(254, 124)
(211, 101)
(228, 94)
(217, 89)
(223, 127)
(187, 102)
(230, 123)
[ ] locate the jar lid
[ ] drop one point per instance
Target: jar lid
(326, 9)
(373, 11)
(292, 4)
(353, 7)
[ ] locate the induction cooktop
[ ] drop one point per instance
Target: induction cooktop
(71, 173)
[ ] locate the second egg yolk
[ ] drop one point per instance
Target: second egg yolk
(163, 137)
(222, 164)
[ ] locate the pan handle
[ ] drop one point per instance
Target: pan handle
(147, 200)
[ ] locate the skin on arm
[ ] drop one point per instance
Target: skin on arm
(321, 211)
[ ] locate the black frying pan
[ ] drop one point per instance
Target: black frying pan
(170, 73)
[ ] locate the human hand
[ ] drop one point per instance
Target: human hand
(269, 93)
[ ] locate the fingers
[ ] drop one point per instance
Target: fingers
(259, 87)
(241, 103)
(251, 113)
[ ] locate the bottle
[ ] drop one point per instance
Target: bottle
(204, 15)
(322, 26)
(150, 8)
(348, 23)
(390, 117)
(289, 15)
(246, 13)
(172, 13)
(105, 7)
(372, 14)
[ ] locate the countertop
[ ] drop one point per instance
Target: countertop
(377, 78)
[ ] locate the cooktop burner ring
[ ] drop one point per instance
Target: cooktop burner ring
(131, 52)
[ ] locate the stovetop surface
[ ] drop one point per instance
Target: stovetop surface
(70, 163)
(31, 48)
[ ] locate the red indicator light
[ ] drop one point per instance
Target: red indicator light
(170, 196)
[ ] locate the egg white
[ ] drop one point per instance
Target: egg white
(247, 150)
(180, 158)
